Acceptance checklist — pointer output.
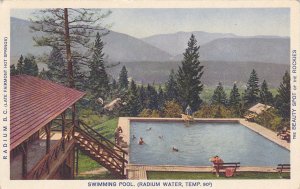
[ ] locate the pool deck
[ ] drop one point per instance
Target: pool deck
(137, 172)
(140, 171)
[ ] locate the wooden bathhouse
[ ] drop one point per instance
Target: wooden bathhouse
(46, 134)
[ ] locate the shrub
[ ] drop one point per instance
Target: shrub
(270, 119)
(172, 109)
(214, 111)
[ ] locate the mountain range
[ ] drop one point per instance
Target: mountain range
(154, 56)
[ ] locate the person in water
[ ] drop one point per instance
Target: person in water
(141, 141)
(133, 137)
(175, 149)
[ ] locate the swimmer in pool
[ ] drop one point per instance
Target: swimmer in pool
(141, 142)
(175, 149)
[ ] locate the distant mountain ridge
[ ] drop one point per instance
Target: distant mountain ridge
(119, 47)
(168, 47)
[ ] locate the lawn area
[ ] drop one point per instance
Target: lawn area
(104, 176)
(163, 175)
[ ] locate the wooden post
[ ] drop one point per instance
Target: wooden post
(48, 132)
(63, 118)
(76, 161)
(24, 158)
(73, 119)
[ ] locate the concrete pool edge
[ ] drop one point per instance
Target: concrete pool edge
(124, 123)
(136, 171)
(139, 171)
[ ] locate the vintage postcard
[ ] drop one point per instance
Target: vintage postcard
(149, 94)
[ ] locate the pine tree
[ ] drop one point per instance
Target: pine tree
(160, 98)
(133, 106)
(57, 70)
(171, 87)
(98, 78)
(266, 96)
(152, 98)
(30, 66)
(252, 92)
(284, 96)
(234, 99)
(13, 70)
(142, 97)
(123, 79)
(189, 75)
(20, 65)
(70, 30)
(219, 96)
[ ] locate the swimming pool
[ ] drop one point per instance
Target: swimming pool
(233, 142)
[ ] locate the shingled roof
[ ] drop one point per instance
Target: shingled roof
(34, 103)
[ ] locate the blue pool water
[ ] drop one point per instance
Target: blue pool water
(200, 141)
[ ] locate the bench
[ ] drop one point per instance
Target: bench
(221, 167)
(283, 168)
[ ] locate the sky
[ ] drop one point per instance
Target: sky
(147, 22)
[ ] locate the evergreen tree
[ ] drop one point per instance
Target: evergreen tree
(69, 30)
(219, 96)
(266, 96)
(133, 106)
(98, 78)
(20, 65)
(284, 96)
(234, 99)
(160, 98)
(30, 66)
(142, 97)
(13, 70)
(189, 75)
(252, 92)
(57, 70)
(113, 88)
(123, 79)
(171, 87)
(152, 98)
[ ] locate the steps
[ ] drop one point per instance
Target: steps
(100, 149)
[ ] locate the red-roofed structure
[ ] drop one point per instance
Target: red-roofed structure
(34, 103)
(45, 135)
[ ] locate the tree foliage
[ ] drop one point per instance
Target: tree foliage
(30, 67)
(152, 98)
(98, 78)
(171, 87)
(70, 31)
(133, 106)
(57, 70)
(172, 109)
(123, 79)
(13, 70)
(189, 76)
(234, 99)
(266, 96)
(284, 96)
(219, 95)
(252, 92)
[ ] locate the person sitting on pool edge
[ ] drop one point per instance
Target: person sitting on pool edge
(141, 142)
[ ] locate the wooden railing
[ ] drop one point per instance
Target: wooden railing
(83, 126)
(95, 141)
(43, 167)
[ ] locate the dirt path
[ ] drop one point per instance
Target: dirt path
(94, 172)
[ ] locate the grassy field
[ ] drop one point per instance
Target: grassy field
(163, 175)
